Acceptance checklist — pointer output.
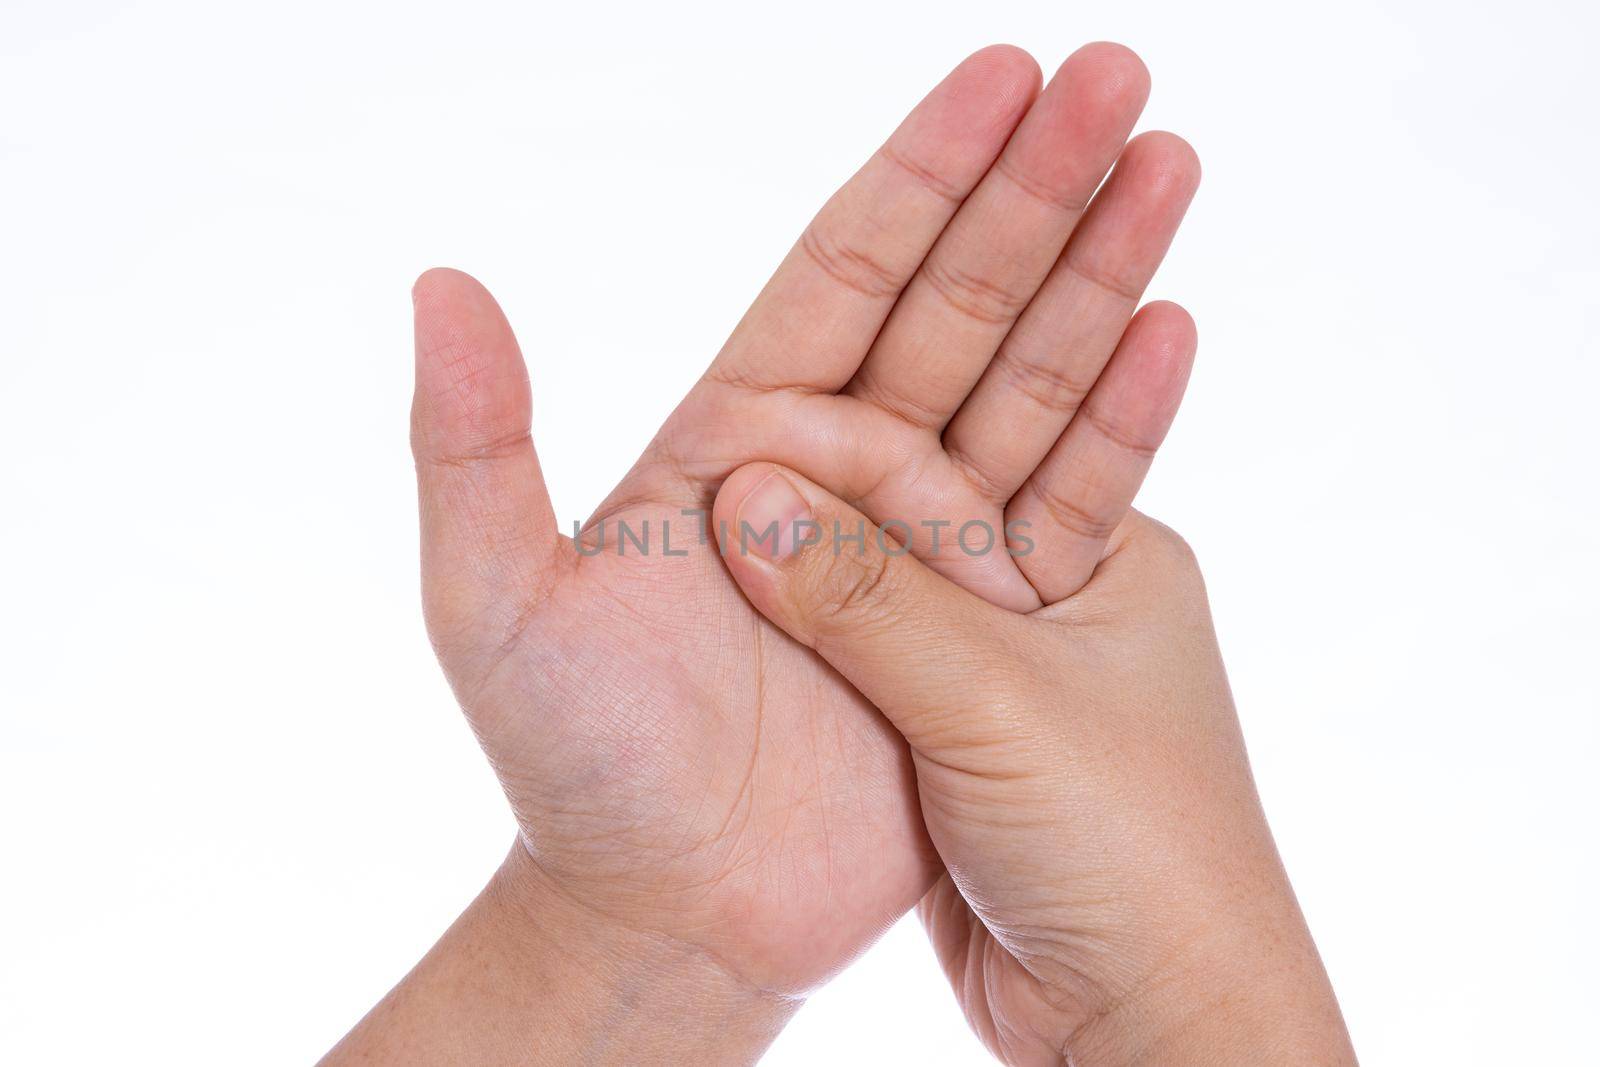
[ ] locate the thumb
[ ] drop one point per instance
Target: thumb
(925, 651)
(489, 539)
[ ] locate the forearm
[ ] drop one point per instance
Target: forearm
(526, 975)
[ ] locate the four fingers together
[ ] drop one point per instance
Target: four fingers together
(991, 274)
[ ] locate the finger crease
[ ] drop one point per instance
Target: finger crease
(1039, 191)
(1073, 517)
(1106, 282)
(1039, 381)
(852, 269)
(503, 447)
(925, 176)
(973, 297)
(1115, 434)
(906, 408)
(987, 485)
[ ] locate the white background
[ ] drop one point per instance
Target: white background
(236, 799)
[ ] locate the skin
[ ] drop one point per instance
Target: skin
(713, 820)
(1112, 894)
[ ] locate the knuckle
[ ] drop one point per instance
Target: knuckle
(1052, 388)
(923, 175)
(1113, 432)
(1082, 519)
(1177, 548)
(907, 405)
(854, 268)
(981, 475)
(851, 591)
(973, 297)
(1114, 285)
(1066, 202)
(1169, 548)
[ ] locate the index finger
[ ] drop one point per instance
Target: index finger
(813, 323)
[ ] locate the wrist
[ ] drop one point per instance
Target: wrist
(607, 992)
(1251, 992)
(528, 974)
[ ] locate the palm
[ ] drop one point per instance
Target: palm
(673, 759)
(680, 763)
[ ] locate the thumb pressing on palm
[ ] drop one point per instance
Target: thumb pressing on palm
(1081, 773)
(925, 651)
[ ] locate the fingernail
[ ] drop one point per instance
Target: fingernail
(768, 517)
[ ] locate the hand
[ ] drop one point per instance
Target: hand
(672, 762)
(1112, 894)
(681, 773)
